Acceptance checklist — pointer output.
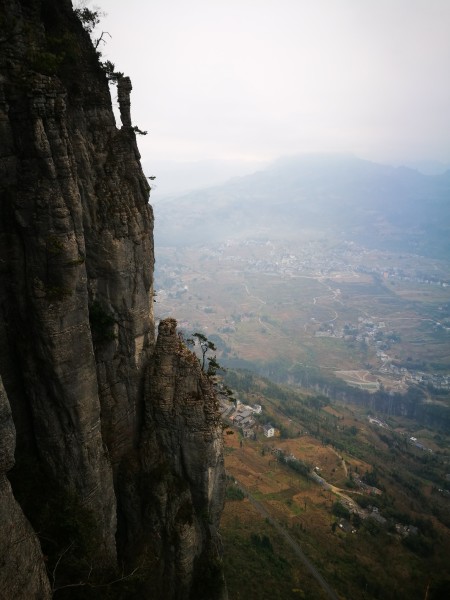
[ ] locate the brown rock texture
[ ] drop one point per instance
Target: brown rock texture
(119, 448)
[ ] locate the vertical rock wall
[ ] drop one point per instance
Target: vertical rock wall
(104, 424)
(22, 569)
(183, 422)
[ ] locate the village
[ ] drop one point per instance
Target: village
(339, 268)
(372, 334)
(313, 259)
(242, 416)
(347, 511)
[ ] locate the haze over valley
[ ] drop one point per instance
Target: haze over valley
(321, 261)
(321, 278)
(324, 283)
(337, 196)
(264, 414)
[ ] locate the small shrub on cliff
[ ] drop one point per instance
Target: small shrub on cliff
(89, 18)
(139, 131)
(110, 71)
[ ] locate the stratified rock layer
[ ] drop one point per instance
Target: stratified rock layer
(125, 434)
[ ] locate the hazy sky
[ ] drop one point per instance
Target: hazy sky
(256, 79)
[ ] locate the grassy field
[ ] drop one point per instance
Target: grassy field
(257, 561)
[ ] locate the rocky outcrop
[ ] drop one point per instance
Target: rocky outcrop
(181, 476)
(183, 422)
(22, 569)
(118, 457)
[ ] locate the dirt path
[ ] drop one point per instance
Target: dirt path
(344, 465)
(252, 296)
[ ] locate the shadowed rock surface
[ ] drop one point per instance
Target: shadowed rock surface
(22, 568)
(119, 448)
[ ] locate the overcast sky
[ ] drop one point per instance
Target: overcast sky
(258, 79)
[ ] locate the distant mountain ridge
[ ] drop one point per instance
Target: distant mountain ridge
(387, 207)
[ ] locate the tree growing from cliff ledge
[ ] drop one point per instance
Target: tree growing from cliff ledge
(89, 18)
(209, 364)
(205, 345)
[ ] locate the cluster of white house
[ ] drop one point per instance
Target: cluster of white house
(242, 416)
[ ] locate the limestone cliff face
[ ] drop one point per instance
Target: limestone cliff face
(121, 436)
(22, 569)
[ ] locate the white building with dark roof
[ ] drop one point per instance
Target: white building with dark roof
(269, 430)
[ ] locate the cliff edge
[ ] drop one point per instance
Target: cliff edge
(118, 480)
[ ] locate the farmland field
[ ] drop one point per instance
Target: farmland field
(360, 556)
(336, 308)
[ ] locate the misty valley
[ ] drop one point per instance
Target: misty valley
(224, 378)
(324, 283)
